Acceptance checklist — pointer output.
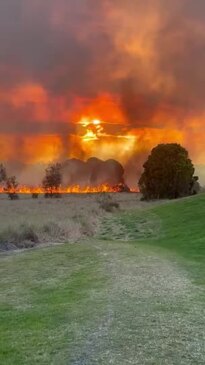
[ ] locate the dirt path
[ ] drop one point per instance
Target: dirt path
(152, 315)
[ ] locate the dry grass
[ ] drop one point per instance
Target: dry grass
(27, 222)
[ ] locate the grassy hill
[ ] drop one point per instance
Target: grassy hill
(134, 294)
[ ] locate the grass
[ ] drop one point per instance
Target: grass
(134, 294)
(176, 226)
(47, 300)
(70, 219)
(183, 233)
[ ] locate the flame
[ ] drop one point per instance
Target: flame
(73, 189)
(85, 102)
(98, 139)
(94, 129)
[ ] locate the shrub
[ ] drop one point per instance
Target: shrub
(23, 236)
(35, 196)
(106, 203)
(53, 195)
(52, 231)
(27, 233)
(13, 196)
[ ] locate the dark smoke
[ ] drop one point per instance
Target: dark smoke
(76, 48)
(93, 172)
(150, 53)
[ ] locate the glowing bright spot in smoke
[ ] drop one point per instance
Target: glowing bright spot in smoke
(84, 122)
(89, 136)
(96, 121)
(93, 129)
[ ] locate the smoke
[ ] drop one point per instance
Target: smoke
(93, 172)
(138, 66)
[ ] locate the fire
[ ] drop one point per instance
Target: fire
(104, 131)
(74, 189)
(94, 129)
(105, 84)
(104, 139)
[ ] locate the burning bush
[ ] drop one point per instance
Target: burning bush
(121, 188)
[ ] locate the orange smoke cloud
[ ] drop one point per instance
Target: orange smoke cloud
(108, 79)
(99, 128)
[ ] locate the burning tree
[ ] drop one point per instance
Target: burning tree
(11, 187)
(168, 173)
(52, 180)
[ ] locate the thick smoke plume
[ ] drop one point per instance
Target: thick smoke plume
(137, 66)
(93, 172)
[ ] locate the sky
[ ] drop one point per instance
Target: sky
(106, 79)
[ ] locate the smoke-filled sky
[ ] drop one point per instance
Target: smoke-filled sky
(104, 78)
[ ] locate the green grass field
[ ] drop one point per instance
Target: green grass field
(134, 294)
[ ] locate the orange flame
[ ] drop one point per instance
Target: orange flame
(98, 128)
(73, 189)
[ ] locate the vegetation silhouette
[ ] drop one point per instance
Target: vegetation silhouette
(52, 181)
(168, 173)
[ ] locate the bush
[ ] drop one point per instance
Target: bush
(23, 236)
(27, 233)
(35, 196)
(53, 195)
(106, 203)
(13, 196)
(53, 232)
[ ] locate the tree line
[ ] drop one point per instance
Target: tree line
(51, 182)
(168, 174)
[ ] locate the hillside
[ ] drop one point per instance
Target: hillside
(133, 294)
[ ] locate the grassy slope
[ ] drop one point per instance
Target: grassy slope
(177, 226)
(183, 231)
(138, 302)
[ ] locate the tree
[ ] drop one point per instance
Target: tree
(11, 187)
(168, 173)
(52, 180)
(2, 173)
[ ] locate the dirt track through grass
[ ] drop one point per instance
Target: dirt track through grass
(148, 318)
(99, 303)
(134, 294)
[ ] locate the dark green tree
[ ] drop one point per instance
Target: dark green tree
(168, 173)
(52, 180)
